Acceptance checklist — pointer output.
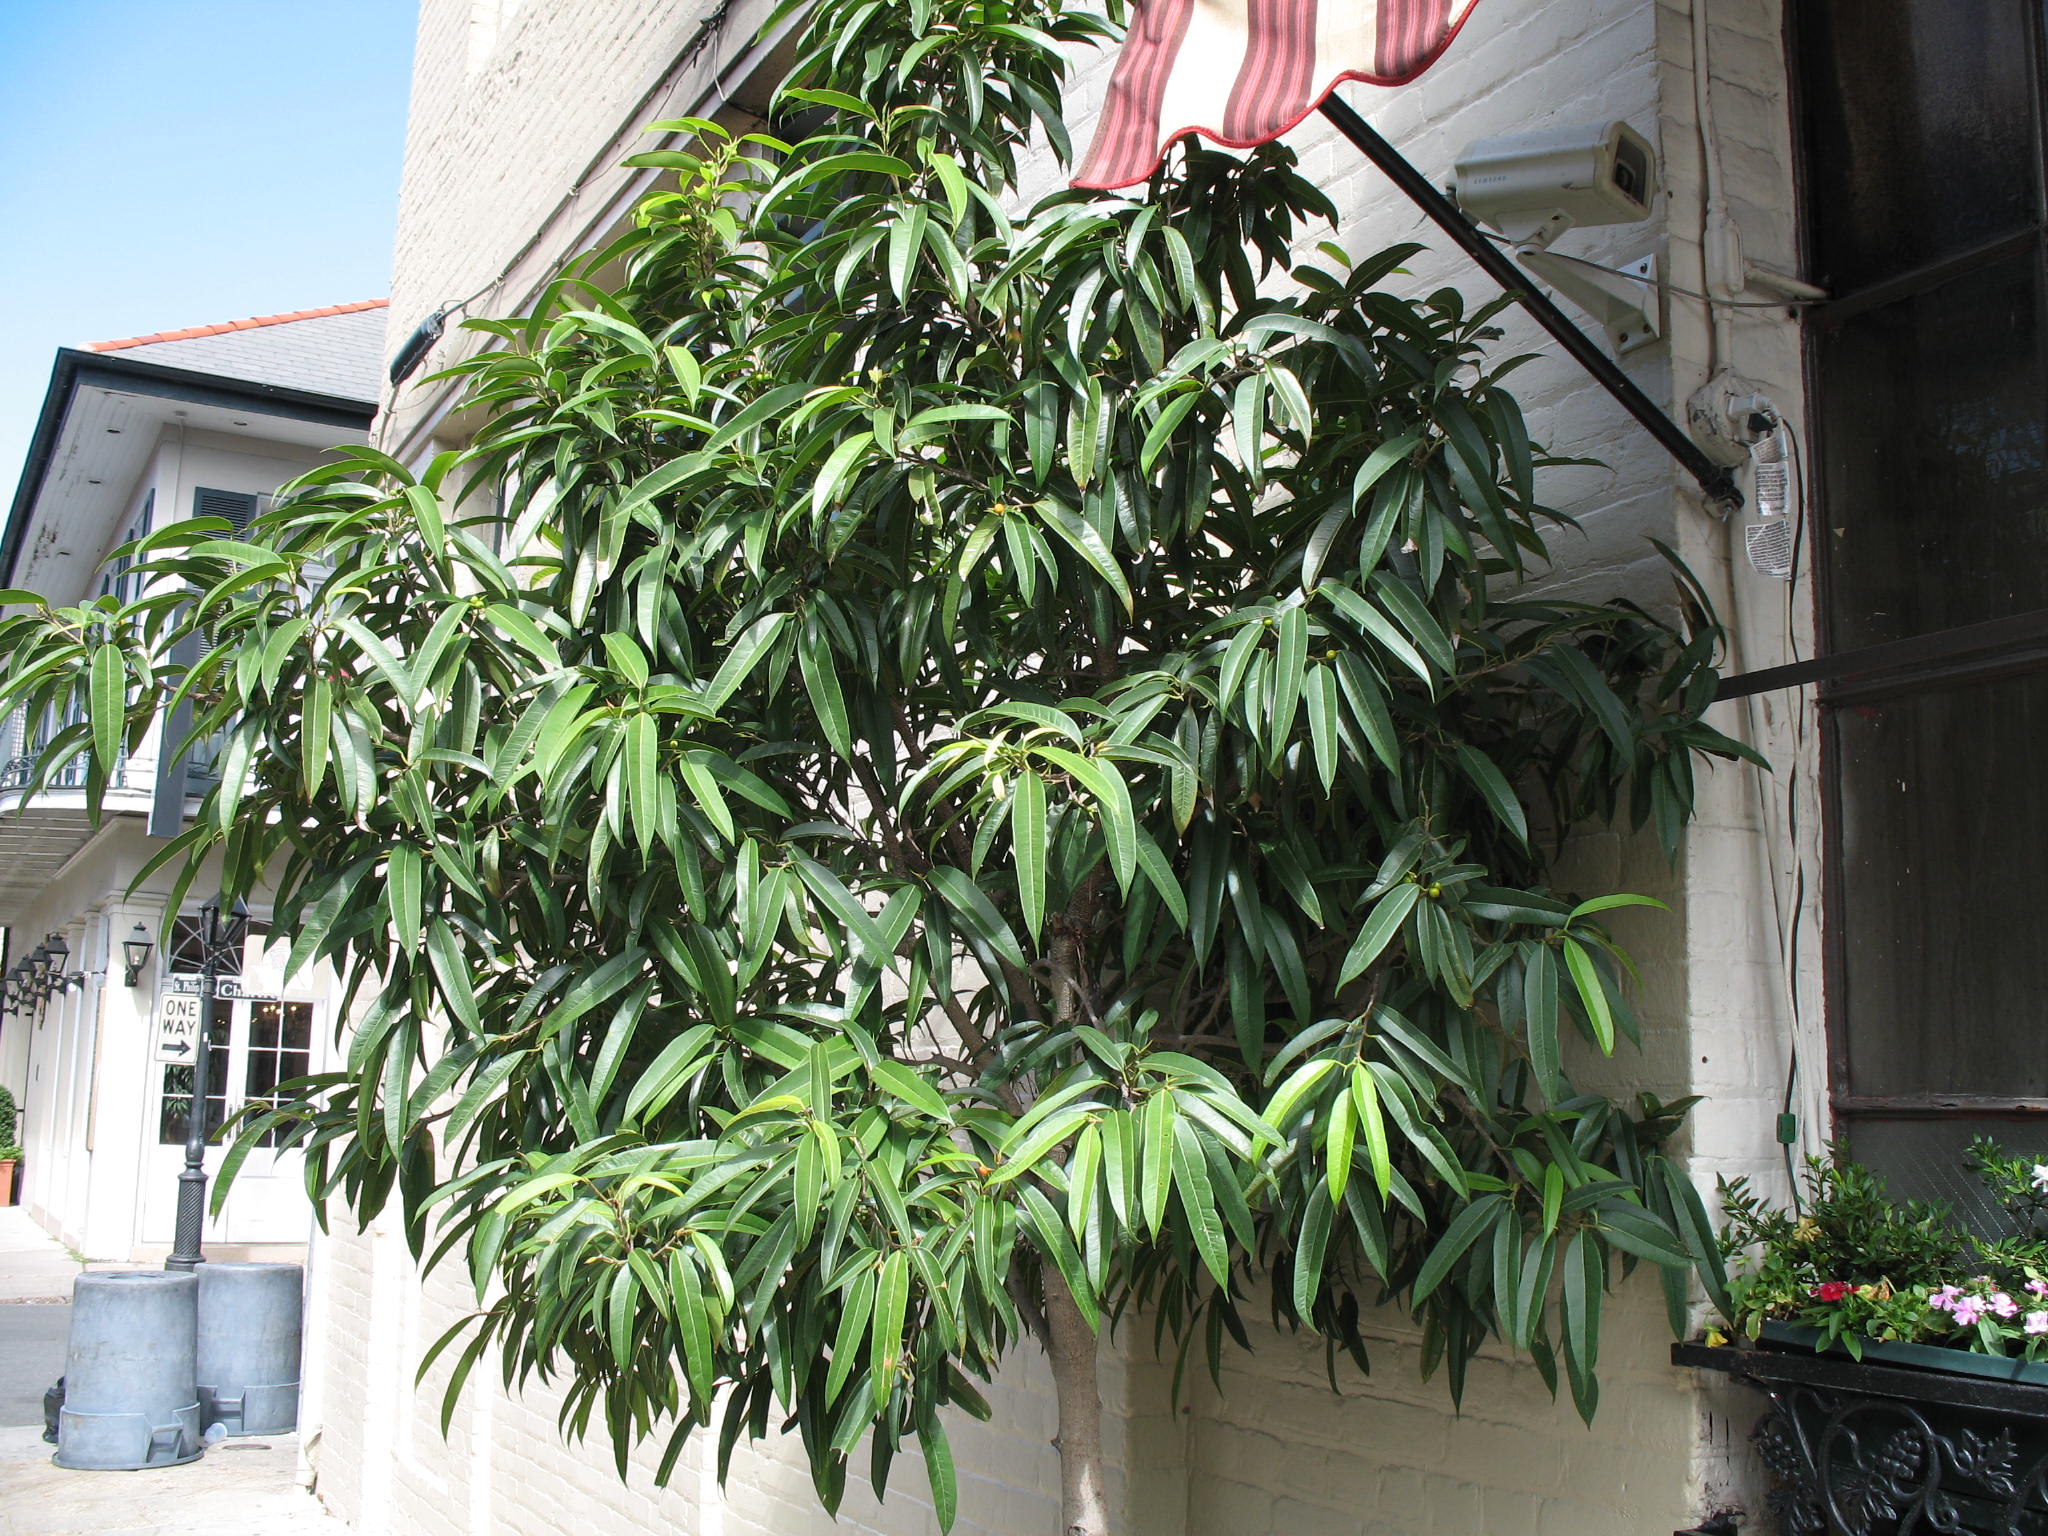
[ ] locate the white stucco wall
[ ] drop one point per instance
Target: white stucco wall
(512, 102)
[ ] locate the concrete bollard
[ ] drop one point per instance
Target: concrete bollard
(131, 1395)
(248, 1355)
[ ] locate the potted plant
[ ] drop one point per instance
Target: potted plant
(1852, 1269)
(1903, 1352)
(10, 1149)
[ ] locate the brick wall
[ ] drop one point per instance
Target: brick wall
(513, 99)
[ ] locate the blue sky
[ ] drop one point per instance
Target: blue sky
(164, 166)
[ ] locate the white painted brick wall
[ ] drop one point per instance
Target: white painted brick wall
(512, 99)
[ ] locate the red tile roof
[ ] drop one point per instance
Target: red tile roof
(235, 325)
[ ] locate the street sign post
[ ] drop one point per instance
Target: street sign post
(177, 1028)
(227, 988)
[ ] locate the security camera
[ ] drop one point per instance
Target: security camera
(1532, 187)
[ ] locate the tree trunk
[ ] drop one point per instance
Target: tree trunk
(1084, 1500)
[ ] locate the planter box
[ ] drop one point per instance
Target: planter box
(1894, 1448)
(1930, 1357)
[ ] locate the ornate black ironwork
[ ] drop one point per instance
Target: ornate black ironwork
(1866, 1450)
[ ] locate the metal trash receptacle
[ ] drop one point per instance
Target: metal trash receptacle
(250, 1321)
(131, 1395)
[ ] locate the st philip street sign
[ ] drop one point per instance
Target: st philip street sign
(227, 988)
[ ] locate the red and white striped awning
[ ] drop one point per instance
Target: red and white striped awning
(1245, 71)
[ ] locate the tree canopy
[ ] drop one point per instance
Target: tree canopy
(939, 772)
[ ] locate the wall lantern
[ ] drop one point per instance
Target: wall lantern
(135, 949)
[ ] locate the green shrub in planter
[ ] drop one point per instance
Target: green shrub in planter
(1855, 1266)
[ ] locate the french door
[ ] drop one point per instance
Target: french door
(255, 1042)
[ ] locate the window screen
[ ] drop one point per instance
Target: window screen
(1922, 140)
(1922, 147)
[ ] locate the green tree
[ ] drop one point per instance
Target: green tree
(958, 777)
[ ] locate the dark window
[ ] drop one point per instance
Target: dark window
(1922, 140)
(280, 1049)
(175, 1122)
(1936, 454)
(1922, 147)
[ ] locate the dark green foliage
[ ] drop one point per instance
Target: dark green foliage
(978, 751)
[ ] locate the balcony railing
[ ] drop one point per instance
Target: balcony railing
(22, 749)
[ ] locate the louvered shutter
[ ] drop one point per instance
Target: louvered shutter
(238, 507)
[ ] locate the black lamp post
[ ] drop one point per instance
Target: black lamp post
(217, 938)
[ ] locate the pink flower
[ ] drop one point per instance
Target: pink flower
(1967, 1310)
(2037, 1322)
(1945, 1299)
(2038, 1287)
(2003, 1305)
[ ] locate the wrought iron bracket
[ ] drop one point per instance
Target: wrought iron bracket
(1867, 1450)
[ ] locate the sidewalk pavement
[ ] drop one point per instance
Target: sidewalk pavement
(32, 1342)
(238, 1488)
(34, 1266)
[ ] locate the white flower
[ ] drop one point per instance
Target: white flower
(2041, 1177)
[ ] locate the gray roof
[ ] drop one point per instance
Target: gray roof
(336, 351)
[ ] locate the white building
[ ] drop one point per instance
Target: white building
(133, 434)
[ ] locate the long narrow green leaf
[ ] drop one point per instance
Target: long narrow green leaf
(1388, 914)
(403, 895)
(1027, 842)
(1465, 1229)
(1080, 536)
(1494, 787)
(1539, 1016)
(1592, 992)
(1198, 1199)
(109, 688)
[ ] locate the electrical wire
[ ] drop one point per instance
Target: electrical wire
(1789, 931)
(1664, 286)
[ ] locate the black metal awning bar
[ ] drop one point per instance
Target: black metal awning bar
(1716, 480)
(2020, 639)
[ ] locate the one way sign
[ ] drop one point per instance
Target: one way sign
(177, 1029)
